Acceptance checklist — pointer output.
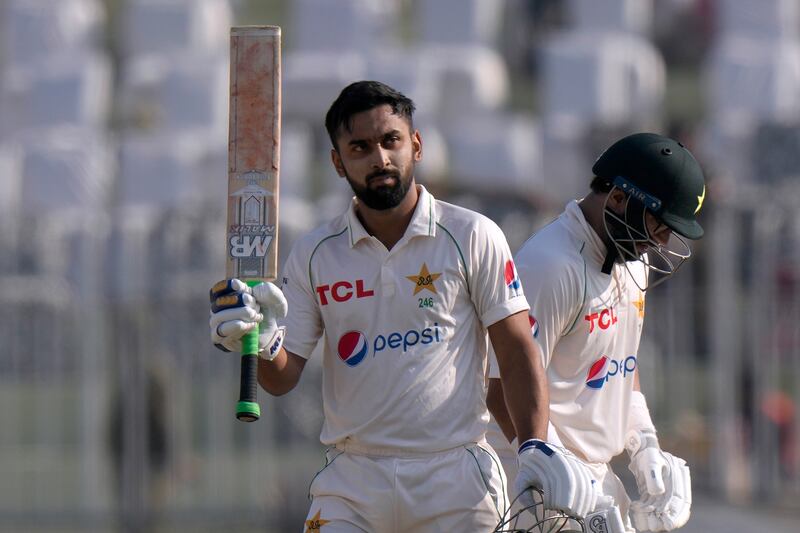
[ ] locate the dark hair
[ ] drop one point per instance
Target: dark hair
(600, 185)
(363, 96)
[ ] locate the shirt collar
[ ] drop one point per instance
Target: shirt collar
(577, 223)
(423, 221)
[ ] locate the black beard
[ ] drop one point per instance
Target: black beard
(385, 197)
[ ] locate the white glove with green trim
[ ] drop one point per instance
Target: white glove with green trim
(237, 308)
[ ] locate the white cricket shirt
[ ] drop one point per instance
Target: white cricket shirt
(404, 330)
(588, 325)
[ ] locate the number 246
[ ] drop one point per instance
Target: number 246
(425, 302)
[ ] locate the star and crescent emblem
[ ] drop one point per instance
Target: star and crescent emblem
(315, 523)
(700, 200)
(424, 280)
(639, 304)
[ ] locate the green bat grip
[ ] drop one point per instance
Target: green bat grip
(247, 409)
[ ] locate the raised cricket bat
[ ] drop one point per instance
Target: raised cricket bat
(254, 135)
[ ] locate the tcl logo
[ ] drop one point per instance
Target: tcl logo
(604, 318)
(341, 291)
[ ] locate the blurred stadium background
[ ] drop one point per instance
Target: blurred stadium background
(116, 413)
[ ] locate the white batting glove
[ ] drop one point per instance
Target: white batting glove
(237, 308)
(664, 482)
(566, 483)
(606, 517)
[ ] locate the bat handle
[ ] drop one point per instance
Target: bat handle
(247, 409)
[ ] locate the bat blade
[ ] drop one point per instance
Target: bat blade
(253, 178)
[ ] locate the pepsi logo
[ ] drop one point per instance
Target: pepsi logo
(534, 326)
(606, 368)
(353, 347)
(597, 373)
(512, 279)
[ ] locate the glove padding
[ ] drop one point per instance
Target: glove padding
(566, 483)
(237, 308)
(664, 483)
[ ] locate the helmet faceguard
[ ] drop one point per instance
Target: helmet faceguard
(659, 177)
(631, 239)
(605, 517)
(537, 519)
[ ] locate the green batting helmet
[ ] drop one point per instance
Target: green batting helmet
(661, 173)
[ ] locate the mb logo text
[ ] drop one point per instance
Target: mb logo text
(249, 245)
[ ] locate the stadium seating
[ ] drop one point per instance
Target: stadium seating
(495, 152)
(341, 26)
(754, 79)
(602, 77)
(165, 170)
(35, 30)
(10, 193)
(470, 79)
(66, 169)
(113, 167)
(624, 16)
(163, 26)
(296, 149)
(773, 20)
(62, 90)
(311, 80)
(459, 22)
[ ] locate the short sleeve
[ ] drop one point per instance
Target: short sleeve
(495, 287)
(554, 292)
(303, 321)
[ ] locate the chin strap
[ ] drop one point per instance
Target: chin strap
(611, 258)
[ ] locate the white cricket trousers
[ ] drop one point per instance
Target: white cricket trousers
(370, 491)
